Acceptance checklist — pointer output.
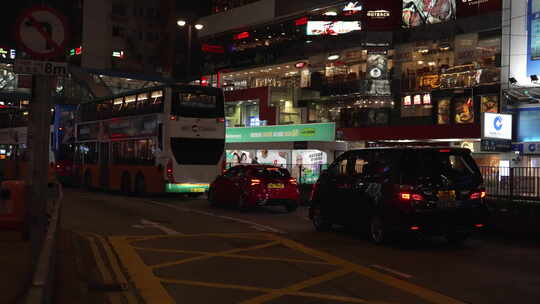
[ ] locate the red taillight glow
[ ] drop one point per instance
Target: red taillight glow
(479, 225)
(414, 228)
(220, 120)
(170, 170)
(478, 195)
(405, 196)
(444, 150)
(293, 181)
(417, 197)
(255, 181)
(58, 166)
(173, 117)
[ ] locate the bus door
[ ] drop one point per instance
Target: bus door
(104, 165)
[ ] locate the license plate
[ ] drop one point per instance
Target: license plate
(447, 195)
(446, 204)
(276, 186)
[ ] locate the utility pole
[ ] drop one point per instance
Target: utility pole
(37, 174)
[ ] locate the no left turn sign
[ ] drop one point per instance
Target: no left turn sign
(42, 32)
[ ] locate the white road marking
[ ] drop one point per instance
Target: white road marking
(390, 270)
(159, 226)
(238, 220)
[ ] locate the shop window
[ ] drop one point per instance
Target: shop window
(288, 114)
(118, 104)
(130, 102)
(88, 153)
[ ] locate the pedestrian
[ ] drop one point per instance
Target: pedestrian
(255, 161)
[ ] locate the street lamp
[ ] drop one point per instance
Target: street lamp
(183, 23)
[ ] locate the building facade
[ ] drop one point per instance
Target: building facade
(385, 72)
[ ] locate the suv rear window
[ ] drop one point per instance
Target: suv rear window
(446, 168)
(271, 172)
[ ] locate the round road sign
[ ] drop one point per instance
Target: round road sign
(42, 32)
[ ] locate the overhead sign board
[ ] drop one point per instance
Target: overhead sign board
(497, 126)
(42, 32)
(285, 133)
(36, 67)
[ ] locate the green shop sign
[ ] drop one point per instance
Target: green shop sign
(306, 132)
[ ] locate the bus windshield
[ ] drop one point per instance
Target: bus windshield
(197, 104)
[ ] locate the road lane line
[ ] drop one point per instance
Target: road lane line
(214, 255)
(299, 286)
(232, 255)
(158, 226)
(421, 292)
(147, 284)
(390, 270)
(238, 220)
(267, 290)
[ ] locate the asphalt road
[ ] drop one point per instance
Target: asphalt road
(174, 250)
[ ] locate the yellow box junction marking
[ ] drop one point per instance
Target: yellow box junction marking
(153, 292)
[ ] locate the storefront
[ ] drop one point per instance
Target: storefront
(304, 149)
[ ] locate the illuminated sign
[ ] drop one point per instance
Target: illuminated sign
(300, 65)
(378, 14)
(333, 28)
(497, 126)
(118, 54)
(75, 51)
(6, 53)
(209, 48)
(353, 7)
(426, 99)
(241, 36)
(417, 99)
(407, 100)
(301, 21)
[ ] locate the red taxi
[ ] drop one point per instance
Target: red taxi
(247, 186)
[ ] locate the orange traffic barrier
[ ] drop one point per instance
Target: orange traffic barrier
(12, 205)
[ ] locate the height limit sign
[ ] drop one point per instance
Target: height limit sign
(42, 32)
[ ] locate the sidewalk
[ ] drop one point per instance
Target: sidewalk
(15, 266)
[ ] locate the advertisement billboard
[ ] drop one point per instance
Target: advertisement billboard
(332, 28)
(497, 126)
(284, 133)
(533, 38)
(419, 12)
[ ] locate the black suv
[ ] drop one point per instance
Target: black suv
(400, 192)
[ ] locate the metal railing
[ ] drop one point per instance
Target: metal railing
(304, 173)
(518, 183)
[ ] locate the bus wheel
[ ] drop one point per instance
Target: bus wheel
(125, 187)
(87, 183)
(140, 185)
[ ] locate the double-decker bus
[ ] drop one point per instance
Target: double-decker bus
(166, 139)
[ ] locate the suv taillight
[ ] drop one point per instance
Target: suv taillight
(255, 181)
(478, 195)
(293, 181)
(407, 196)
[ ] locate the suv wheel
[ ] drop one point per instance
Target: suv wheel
(320, 222)
(377, 230)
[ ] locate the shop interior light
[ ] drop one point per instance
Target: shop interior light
(181, 23)
(333, 57)
(199, 26)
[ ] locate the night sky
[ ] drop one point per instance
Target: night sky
(8, 15)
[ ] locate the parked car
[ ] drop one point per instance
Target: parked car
(247, 186)
(402, 191)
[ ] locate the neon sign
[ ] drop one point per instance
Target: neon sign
(332, 28)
